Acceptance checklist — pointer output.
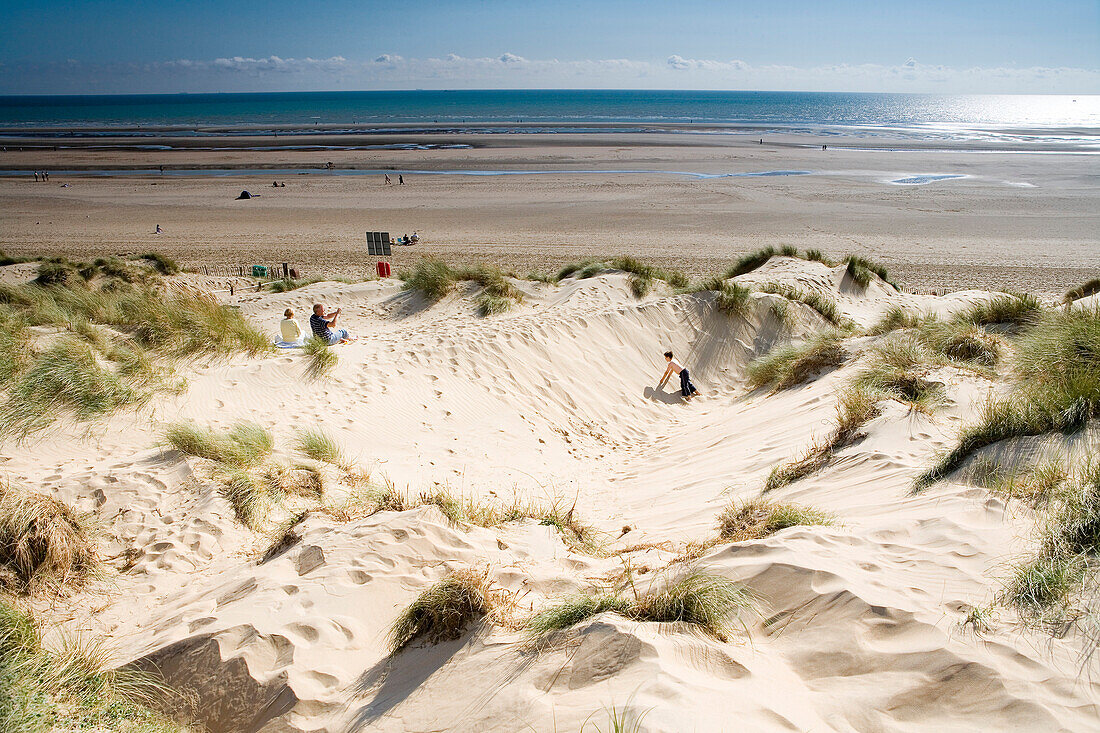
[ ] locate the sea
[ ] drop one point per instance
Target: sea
(1044, 121)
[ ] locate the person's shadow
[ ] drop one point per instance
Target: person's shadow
(660, 395)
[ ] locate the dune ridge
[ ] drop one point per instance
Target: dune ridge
(861, 625)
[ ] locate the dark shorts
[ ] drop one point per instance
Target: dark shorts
(686, 387)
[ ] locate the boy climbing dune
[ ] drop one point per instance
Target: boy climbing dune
(687, 389)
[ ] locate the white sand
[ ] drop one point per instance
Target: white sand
(861, 627)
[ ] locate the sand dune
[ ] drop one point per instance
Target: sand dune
(860, 625)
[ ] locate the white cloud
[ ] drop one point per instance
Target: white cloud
(510, 70)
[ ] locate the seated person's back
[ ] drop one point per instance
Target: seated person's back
(289, 328)
(319, 326)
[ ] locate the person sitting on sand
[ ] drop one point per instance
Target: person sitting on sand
(289, 328)
(687, 389)
(159, 230)
(321, 324)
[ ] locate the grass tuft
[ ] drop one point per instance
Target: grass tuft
(712, 602)
(43, 541)
(788, 366)
(895, 318)
(1057, 365)
(245, 445)
(432, 277)
(322, 358)
(825, 306)
(732, 299)
(443, 611)
(163, 265)
(897, 368)
(72, 688)
(65, 380)
(862, 271)
(1012, 309)
(1092, 287)
(855, 408)
(749, 262)
(757, 518)
(315, 443)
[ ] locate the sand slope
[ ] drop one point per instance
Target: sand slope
(860, 622)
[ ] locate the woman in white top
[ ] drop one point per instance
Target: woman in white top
(687, 389)
(289, 328)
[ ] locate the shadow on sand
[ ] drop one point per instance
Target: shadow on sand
(669, 398)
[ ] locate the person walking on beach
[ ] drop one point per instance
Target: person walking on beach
(400, 180)
(687, 389)
(388, 179)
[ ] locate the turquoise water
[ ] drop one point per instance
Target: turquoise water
(1032, 118)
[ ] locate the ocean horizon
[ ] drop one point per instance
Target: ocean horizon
(1032, 118)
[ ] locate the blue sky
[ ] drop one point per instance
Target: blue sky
(117, 46)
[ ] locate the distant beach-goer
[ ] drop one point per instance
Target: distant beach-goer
(289, 328)
(687, 389)
(321, 323)
(36, 176)
(388, 179)
(159, 230)
(400, 180)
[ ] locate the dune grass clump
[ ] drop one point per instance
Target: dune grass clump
(1013, 310)
(102, 346)
(65, 380)
(732, 299)
(6, 259)
(163, 265)
(960, 342)
(72, 688)
(1084, 290)
(855, 408)
(574, 609)
(824, 305)
(749, 262)
(862, 271)
(897, 369)
(63, 274)
(444, 611)
(497, 294)
(43, 541)
(816, 255)
(1057, 388)
(642, 275)
(244, 445)
(318, 445)
(791, 365)
(1043, 586)
(321, 359)
(432, 277)
(1037, 484)
(15, 343)
(253, 484)
(895, 318)
(758, 518)
(574, 532)
(712, 602)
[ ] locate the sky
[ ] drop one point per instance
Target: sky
(977, 46)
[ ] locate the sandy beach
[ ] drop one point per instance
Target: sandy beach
(529, 445)
(1011, 220)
